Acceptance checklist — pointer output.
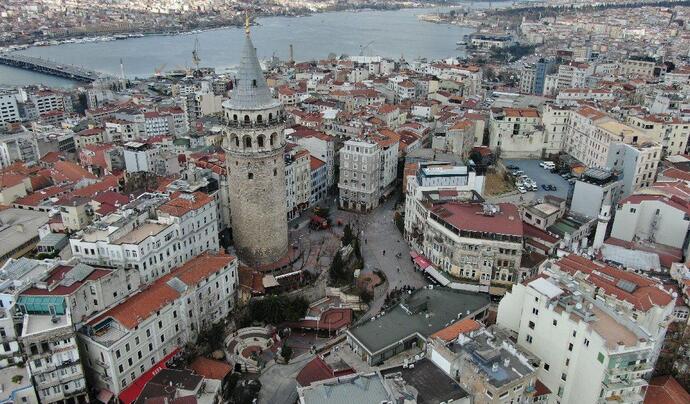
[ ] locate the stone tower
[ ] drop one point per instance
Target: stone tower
(254, 123)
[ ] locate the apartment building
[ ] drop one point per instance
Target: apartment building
(124, 342)
(297, 179)
(637, 163)
(9, 112)
(170, 121)
(86, 289)
(573, 75)
(588, 352)
(47, 101)
(319, 145)
(654, 216)
(580, 135)
(186, 226)
(642, 300)
(594, 189)
(477, 244)
(516, 132)
(555, 119)
(120, 130)
(360, 175)
(52, 355)
(642, 67)
(487, 364)
(389, 144)
(318, 181)
(670, 132)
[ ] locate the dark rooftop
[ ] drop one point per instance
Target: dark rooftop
(432, 384)
(424, 312)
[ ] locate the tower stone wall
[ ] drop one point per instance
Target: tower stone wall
(254, 146)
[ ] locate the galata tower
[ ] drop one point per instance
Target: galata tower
(254, 123)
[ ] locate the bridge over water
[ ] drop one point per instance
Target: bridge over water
(49, 67)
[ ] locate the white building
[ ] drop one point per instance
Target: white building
(127, 340)
(360, 175)
(141, 157)
(637, 163)
(297, 181)
(186, 226)
(652, 216)
(52, 355)
(8, 108)
(319, 145)
(588, 352)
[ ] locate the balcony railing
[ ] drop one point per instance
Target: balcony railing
(262, 124)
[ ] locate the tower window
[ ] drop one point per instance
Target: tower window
(270, 116)
(234, 117)
(250, 176)
(247, 142)
(259, 118)
(260, 140)
(246, 119)
(275, 172)
(273, 138)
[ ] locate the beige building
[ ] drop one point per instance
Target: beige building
(516, 133)
(671, 133)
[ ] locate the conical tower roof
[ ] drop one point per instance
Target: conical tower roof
(250, 88)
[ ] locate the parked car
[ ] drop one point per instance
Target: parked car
(553, 188)
(545, 188)
(522, 190)
(512, 167)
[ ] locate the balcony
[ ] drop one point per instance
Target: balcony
(641, 369)
(250, 125)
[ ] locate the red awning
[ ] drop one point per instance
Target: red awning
(413, 254)
(421, 262)
(131, 393)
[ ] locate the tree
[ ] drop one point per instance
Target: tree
(286, 353)
(337, 269)
(348, 235)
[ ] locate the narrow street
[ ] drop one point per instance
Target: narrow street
(378, 233)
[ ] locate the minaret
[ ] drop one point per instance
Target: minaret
(254, 123)
(602, 224)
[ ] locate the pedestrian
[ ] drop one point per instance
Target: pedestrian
(384, 252)
(398, 269)
(365, 241)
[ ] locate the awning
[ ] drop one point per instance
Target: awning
(437, 275)
(104, 396)
(421, 262)
(132, 392)
(413, 254)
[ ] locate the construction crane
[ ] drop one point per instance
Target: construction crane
(195, 54)
(362, 48)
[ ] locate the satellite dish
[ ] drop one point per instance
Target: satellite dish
(578, 306)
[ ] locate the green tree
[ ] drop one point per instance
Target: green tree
(348, 235)
(286, 352)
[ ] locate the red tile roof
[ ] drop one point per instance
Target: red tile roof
(315, 163)
(10, 179)
(645, 296)
(209, 368)
(185, 203)
(141, 305)
(109, 183)
(57, 275)
(72, 171)
(463, 326)
(468, 216)
(317, 369)
(666, 390)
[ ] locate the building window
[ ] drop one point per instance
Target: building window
(531, 325)
(570, 347)
(547, 366)
(555, 323)
(528, 338)
(600, 357)
(535, 311)
(250, 176)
